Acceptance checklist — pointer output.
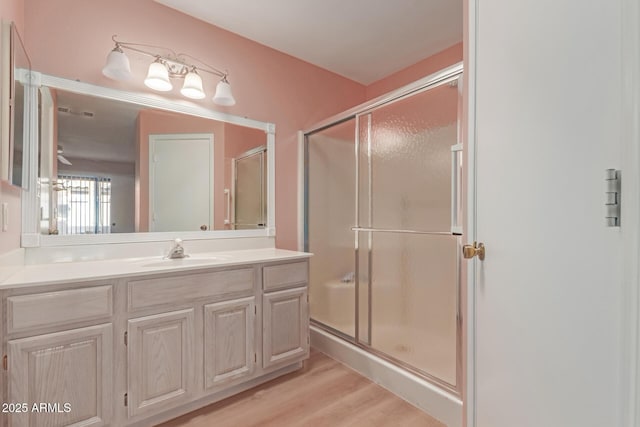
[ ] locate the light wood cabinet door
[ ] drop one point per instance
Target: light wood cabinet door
(229, 333)
(285, 326)
(160, 361)
(70, 370)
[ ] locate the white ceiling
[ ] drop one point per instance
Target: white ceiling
(363, 40)
(109, 135)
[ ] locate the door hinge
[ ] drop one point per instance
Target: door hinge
(255, 357)
(126, 399)
(126, 338)
(612, 197)
(255, 310)
(5, 362)
(308, 340)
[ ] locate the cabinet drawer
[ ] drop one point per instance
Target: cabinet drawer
(58, 308)
(171, 290)
(285, 275)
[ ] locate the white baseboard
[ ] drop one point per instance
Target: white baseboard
(438, 403)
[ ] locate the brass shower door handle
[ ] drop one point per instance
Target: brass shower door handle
(469, 251)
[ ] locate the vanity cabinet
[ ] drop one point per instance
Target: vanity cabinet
(71, 371)
(160, 353)
(285, 306)
(137, 351)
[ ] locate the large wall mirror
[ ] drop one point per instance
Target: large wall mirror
(15, 66)
(117, 166)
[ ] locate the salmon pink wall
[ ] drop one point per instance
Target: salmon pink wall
(437, 62)
(12, 10)
(239, 140)
(71, 39)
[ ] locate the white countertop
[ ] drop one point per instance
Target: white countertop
(65, 272)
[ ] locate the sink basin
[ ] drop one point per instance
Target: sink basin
(176, 262)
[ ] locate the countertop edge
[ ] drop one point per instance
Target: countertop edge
(32, 275)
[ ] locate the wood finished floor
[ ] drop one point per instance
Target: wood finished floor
(324, 393)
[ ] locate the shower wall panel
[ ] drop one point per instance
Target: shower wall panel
(330, 217)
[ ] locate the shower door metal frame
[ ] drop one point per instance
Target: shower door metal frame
(448, 75)
(262, 151)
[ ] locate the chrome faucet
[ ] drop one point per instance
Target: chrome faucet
(177, 251)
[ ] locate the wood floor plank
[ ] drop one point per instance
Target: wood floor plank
(341, 411)
(324, 393)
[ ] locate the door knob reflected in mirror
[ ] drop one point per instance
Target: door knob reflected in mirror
(469, 251)
(203, 227)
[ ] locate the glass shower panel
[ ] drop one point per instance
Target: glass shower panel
(364, 170)
(414, 301)
(405, 208)
(330, 211)
(363, 269)
(363, 238)
(410, 157)
(250, 201)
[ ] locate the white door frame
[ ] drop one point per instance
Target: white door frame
(630, 311)
(48, 158)
(153, 138)
(630, 306)
(469, 396)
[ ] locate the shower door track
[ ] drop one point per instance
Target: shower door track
(382, 355)
(445, 76)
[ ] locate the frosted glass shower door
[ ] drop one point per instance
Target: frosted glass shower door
(250, 190)
(404, 219)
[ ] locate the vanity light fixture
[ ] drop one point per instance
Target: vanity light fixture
(165, 67)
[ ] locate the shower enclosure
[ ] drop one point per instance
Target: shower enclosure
(382, 217)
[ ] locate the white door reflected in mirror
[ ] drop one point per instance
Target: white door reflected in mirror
(180, 182)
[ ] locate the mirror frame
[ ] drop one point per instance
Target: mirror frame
(31, 236)
(11, 41)
(17, 75)
(5, 101)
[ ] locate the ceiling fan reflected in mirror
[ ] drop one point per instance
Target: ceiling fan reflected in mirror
(62, 159)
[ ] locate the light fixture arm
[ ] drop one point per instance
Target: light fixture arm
(173, 57)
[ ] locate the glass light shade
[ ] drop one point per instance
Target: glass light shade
(158, 77)
(117, 66)
(223, 94)
(192, 87)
